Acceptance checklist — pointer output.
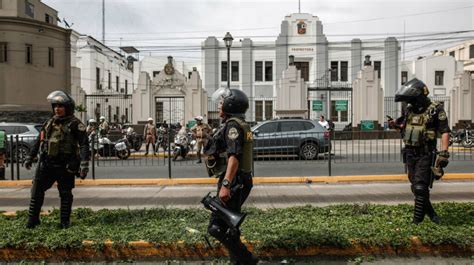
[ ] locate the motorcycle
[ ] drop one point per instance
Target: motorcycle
(162, 139)
(106, 148)
(468, 140)
(465, 137)
(181, 145)
(134, 139)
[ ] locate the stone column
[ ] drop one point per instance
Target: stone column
(211, 64)
(292, 94)
(281, 51)
(356, 58)
(197, 100)
(141, 99)
(461, 100)
(322, 63)
(390, 69)
(367, 97)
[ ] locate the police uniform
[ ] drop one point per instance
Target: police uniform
(63, 147)
(103, 128)
(234, 138)
(201, 132)
(421, 125)
(150, 136)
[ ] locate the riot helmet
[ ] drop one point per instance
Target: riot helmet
(414, 92)
(234, 101)
(61, 98)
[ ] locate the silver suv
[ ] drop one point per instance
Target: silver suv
(304, 138)
(27, 134)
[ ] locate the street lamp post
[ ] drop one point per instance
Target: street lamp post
(228, 43)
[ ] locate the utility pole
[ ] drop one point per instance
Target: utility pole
(103, 22)
(299, 6)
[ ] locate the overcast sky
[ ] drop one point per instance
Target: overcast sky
(152, 24)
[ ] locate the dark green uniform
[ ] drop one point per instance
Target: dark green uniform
(62, 145)
(420, 133)
(233, 139)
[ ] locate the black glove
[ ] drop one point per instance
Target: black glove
(84, 169)
(28, 162)
(443, 159)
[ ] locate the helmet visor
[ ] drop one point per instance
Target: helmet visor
(220, 94)
(58, 97)
(407, 91)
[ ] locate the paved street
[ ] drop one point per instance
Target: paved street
(262, 196)
(158, 168)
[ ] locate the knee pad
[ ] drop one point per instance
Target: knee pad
(420, 190)
(216, 231)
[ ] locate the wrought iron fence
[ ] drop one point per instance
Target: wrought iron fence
(109, 159)
(116, 108)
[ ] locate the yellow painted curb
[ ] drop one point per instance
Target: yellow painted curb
(256, 180)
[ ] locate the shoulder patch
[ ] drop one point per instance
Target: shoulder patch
(233, 133)
(442, 115)
(81, 127)
(249, 136)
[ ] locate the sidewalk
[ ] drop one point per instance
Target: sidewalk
(262, 196)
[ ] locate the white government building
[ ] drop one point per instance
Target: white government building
(256, 67)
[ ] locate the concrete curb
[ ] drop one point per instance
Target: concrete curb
(256, 180)
(142, 250)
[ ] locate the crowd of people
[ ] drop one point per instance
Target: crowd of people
(156, 134)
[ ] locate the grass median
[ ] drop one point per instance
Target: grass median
(288, 229)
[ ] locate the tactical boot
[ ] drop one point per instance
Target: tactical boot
(432, 214)
(66, 208)
(33, 221)
(34, 211)
(65, 224)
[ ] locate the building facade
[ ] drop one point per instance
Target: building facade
(463, 52)
(256, 67)
(105, 79)
(34, 59)
(436, 71)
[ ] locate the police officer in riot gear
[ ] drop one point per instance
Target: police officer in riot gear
(424, 120)
(229, 158)
(63, 154)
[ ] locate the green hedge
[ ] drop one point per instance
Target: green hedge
(290, 228)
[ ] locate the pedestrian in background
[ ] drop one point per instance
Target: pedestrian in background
(201, 133)
(150, 135)
(323, 122)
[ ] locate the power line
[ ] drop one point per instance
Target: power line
(399, 16)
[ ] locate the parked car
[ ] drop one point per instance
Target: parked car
(27, 134)
(304, 138)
